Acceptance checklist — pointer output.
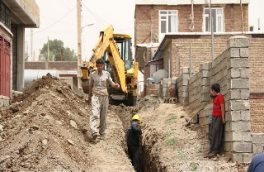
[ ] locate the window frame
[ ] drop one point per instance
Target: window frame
(161, 35)
(208, 15)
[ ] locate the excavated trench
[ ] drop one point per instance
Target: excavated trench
(148, 162)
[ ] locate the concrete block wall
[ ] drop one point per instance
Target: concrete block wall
(230, 70)
(182, 86)
(238, 126)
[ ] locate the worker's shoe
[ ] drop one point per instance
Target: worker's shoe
(212, 155)
(102, 137)
(95, 138)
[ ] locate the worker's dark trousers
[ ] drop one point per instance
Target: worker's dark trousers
(216, 135)
(134, 156)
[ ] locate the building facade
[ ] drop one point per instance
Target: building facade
(15, 16)
(154, 19)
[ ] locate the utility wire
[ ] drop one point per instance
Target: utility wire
(95, 14)
(56, 22)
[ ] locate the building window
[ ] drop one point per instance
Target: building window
(5, 15)
(218, 20)
(168, 20)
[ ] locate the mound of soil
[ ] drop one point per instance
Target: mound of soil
(46, 129)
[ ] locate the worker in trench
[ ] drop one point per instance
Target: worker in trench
(98, 98)
(133, 142)
(216, 129)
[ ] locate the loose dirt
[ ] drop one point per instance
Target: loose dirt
(168, 145)
(46, 129)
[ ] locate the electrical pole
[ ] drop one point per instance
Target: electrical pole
(212, 31)
(31, 45)
(79, 43)
(242, 17)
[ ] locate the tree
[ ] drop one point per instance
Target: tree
(57, 51)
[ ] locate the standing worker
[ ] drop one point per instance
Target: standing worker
(216, 132)
(98, 97)
(133, 142)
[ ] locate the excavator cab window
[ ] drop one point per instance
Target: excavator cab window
(124, 46)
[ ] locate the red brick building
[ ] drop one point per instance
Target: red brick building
(157, 18)
(154, 19)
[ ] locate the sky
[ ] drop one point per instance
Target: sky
(58, 21)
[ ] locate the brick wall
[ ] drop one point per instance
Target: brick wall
(198, 47)
(230, 70)
(257, 114)
(256, 53)
(147, 19)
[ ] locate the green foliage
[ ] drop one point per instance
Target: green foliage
(171, 142)
(57, 51)
(193, 166)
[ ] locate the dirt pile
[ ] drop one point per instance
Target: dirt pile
(45, 129)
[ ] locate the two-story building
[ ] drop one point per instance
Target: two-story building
(184, 18)
(15, 16)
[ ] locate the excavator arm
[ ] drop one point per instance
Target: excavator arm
(106, 43)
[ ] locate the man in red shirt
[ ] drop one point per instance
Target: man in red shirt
(216, 131)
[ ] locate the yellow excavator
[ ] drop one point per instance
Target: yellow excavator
(115, 49)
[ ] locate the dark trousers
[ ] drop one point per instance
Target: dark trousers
(134, 156)
(216, 135)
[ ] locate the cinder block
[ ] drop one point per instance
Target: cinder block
(247, 157)
(240, 83)
(227, 126)
(227, 146)
(237, 157)
(240, 126)
(244, 73)
(243, 147)
(245, 94)
(234, 52)
(246, 136)
(235, 94)
(228, 136)
(237, 136)
(239, 63)
(258, 138)
(238, 41)
(235, 73)
(235, 116)
(239, 105)
(258, 148)
(244, 52)
(245, 115)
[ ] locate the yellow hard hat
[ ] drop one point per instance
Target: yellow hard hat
(136, 117)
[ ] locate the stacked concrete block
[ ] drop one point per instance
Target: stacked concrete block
(182, 86)
(238, 115)
(4, 101)
(165, 87)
